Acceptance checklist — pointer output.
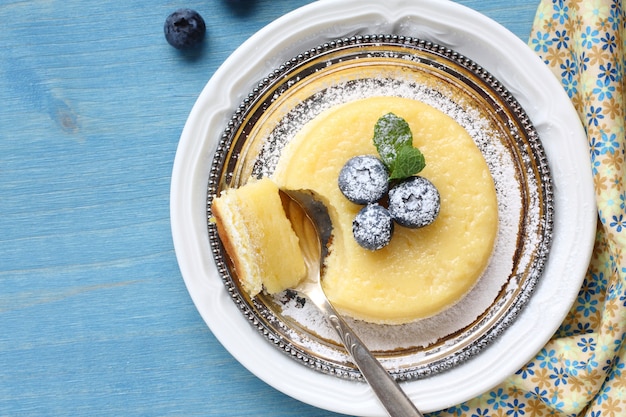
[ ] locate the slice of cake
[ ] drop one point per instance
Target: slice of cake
(258, 237)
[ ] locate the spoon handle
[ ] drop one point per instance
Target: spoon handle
(384, 386)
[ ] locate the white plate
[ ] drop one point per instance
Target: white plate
(470, 34)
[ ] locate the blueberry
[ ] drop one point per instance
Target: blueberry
(364, 179)
(372, 227)
(184, 29)
(414, 202)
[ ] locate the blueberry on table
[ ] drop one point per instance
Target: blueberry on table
(364, 179)
(414, 202)
(184, 29)
(373, 227)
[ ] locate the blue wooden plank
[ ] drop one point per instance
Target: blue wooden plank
(94, 315)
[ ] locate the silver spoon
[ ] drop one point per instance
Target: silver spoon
(313, 227)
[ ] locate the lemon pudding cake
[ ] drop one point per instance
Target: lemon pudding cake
(421, 270)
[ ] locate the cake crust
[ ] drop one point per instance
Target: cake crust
(230, 236)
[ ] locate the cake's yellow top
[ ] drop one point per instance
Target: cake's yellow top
(258, 237)
(422, 271)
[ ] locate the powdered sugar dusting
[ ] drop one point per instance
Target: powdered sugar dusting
(427, 331)
(414, 203)
(363, 179)
(373, 227)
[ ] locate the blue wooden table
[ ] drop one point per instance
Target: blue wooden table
(95, 318)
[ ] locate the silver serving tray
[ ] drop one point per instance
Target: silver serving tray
(354, 67)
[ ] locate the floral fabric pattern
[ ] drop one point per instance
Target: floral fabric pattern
(582, 369)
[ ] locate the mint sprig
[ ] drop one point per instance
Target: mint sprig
(394, 142)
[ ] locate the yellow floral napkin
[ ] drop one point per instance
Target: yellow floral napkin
(582, 370)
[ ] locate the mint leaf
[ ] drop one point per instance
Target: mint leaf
(409, 161)
(390, 134)
(393, 140)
